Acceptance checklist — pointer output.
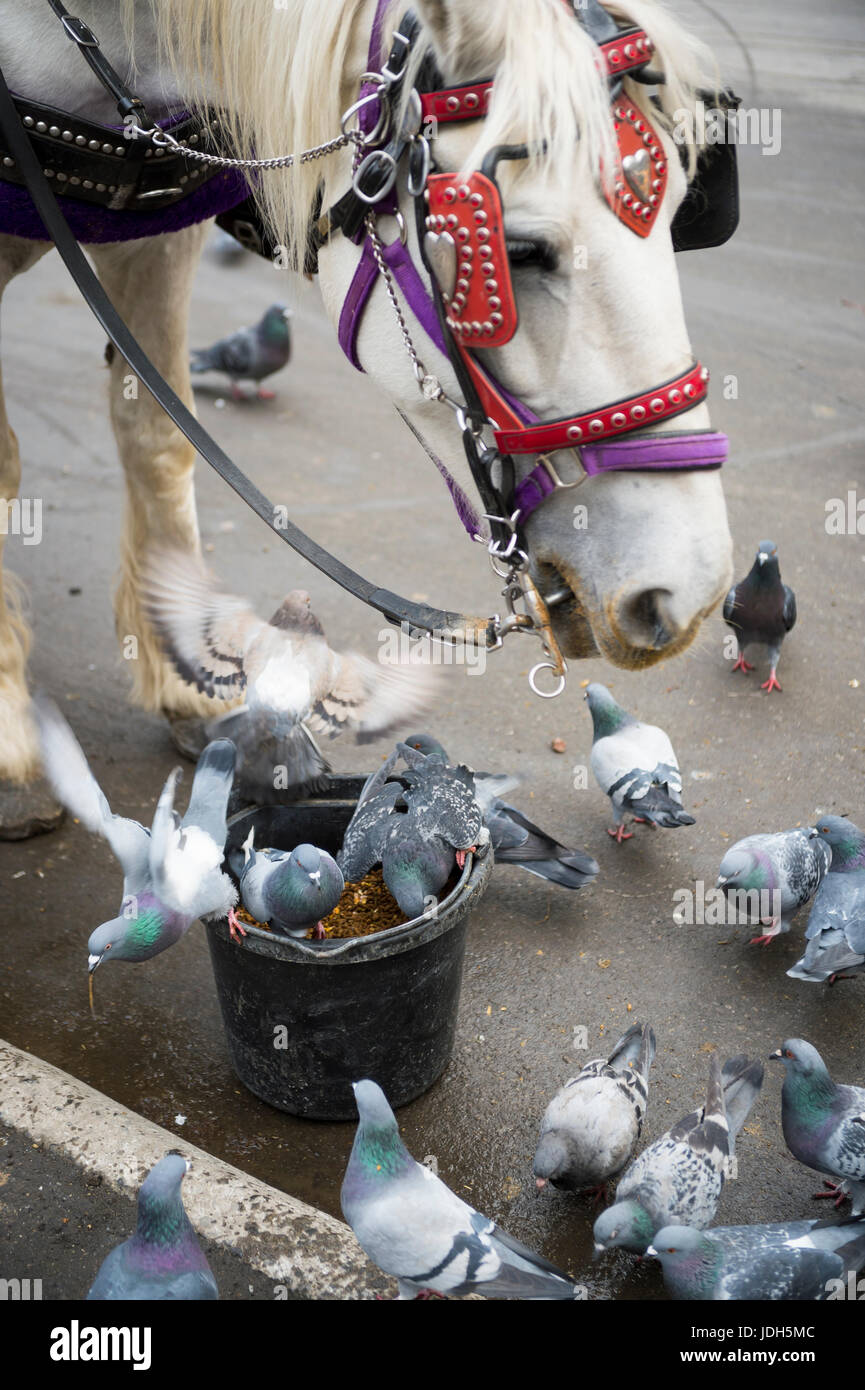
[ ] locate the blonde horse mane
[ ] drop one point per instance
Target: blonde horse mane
(279, 74)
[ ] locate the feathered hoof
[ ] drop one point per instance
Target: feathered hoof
(28, 809)
(187, 734)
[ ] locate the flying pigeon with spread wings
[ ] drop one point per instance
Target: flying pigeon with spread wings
(293, 684)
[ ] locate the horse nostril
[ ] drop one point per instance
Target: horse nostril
(646, 619)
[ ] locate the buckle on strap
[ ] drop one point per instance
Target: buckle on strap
(79, 32)
(558, 483)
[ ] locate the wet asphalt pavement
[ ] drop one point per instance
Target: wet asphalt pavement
(780, 308)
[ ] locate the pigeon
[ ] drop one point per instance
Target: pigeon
(678, 1180)
(591, 1127)
(635, 766)
(292, 890)
(769, 877)
(416, 1229)
(836, 926)
(163, 1260)
(172, 873)
(824, 1124)
(513, 837)
(793, 1260)
(761, 610)
(251, 354)
(418, 826)
(294, 685)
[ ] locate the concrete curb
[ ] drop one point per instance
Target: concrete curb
(301, 1250)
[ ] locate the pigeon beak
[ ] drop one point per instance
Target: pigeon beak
(598, 1251)
(813, 832)
(721, 882)
(762, 557)
(92, 962)
(776, 1056)
(650, 1250)
(540, 1184)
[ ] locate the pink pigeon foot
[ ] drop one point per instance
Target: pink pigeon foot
(318, 933)
(462, 853)
(643, 820)
(619, 834)
(835, 1190)
(426, 1294)
(742, 664)
(264, 395)
(772, 683)
(236, 928)
(236, 393)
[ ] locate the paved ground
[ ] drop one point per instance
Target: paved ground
(781, 308)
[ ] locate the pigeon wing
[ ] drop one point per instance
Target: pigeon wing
(205, 632)
(371, 697)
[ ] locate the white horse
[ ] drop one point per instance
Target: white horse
(600, 312)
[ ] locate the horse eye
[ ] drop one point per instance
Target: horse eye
(523, 251)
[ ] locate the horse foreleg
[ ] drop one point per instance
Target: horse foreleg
(150, 282)
(26, 805)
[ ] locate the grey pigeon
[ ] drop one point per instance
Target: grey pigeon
(163, 1260)
(416, 1229)
(824, 1124)
(591, 1127)
(678, 1180)
(513, 837)
(635, 766)
(419, 826)
(173, 873)
(761, 610)
(769, 877)
(250, 354)
(294, 685)
(794, 1261)
(291, 889)
(836, 926)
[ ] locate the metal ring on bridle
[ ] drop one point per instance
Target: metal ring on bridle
(387, 183)
(376, 135)
(547, 694)
(415, 185)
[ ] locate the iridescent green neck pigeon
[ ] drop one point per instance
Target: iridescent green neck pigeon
(172, 873)
(678, 1180)
(761, 610)
(417, 1230)
(514, 838)
(791, 1261)
(634, 764)
(836, 926)
(824, 1124)
(591, 1126)
(250, 354)
(292, 890)
(163, 1260)
(769, 877)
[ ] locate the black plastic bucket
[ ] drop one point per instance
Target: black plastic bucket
(303, 1020)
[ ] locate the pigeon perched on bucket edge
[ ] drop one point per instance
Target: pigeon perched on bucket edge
(292, 890)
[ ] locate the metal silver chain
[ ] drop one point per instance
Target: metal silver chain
(163, 140)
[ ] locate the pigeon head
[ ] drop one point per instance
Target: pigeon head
(741, 868)
(274, 324)
(846, 839)
(607, 714)
(295, 614)
(378, 1152)
(426, 744)
(800, 1058)
(161, 1217)
(308, 860)
(688, 1257)
(765, 569)
(766, 550)
(625, 1224)
(552, 1161)
(137, 934)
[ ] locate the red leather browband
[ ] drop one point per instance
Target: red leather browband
(468, 103)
